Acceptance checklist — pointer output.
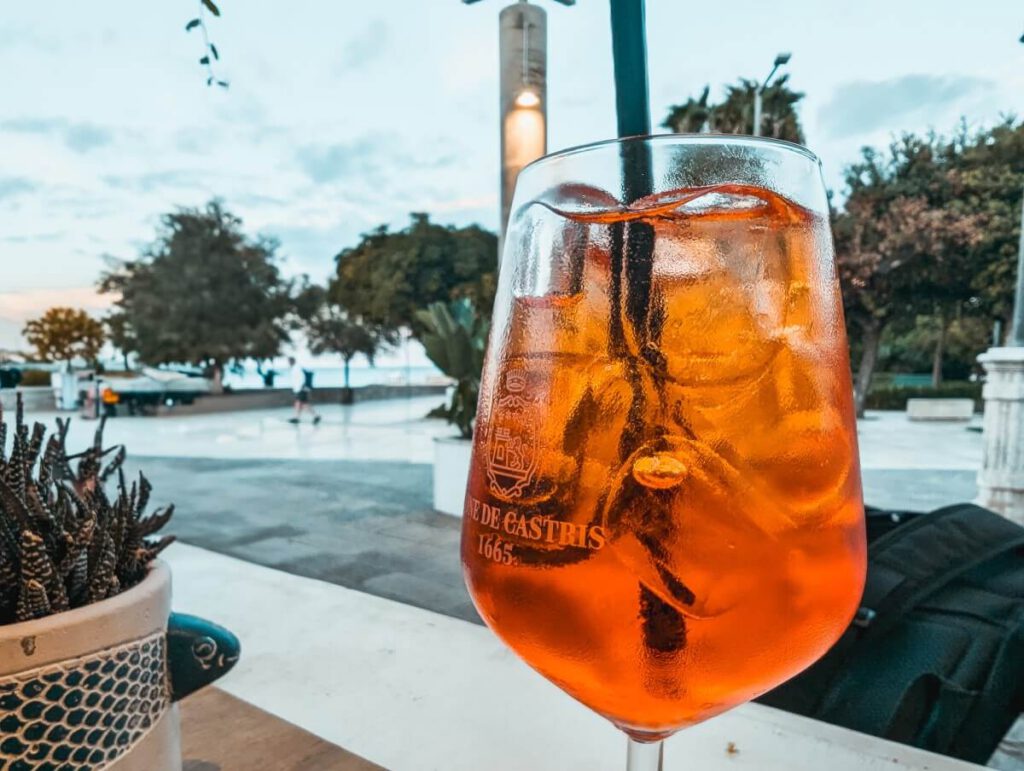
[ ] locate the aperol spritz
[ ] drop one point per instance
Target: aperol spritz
(664, 511)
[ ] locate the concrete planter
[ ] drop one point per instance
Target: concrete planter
(451, 473)
(94, 687)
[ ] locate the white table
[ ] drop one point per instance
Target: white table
(410, 689)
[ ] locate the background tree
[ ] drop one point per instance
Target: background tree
(909, 344)
(691, 117)
(330, 328)
(121, 335)
(735, 114)
(990, 164)
(904, 245)
(63, 334)
(203, 293)
(389, 276)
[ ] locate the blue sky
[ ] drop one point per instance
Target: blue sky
(344, 115)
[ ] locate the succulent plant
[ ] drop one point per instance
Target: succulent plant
(64, 541)
(455, 339)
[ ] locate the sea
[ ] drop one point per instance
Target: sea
(334, 377)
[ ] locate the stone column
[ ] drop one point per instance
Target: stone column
(1001, 478)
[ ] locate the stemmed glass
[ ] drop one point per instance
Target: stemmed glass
(664, 511)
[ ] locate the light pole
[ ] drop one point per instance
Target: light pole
(523, 55)
(1017, 329)
(759, 91)
(1017, 324)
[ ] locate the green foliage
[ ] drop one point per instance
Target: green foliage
(990, 165)
(330, 329)
(455, 336)
(64, 542)
(121, 334)
(895, 397)
(389, 277)
(691, 117)
(203, 293)
(63, 334)
(906, 243)
(735, 114)
(199, 22)
(910, 348)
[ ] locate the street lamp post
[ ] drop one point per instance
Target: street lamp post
(1017, 328)
(523, 94)
(522, 51)
(759, 91)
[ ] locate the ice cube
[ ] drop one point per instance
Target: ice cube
(696, 543)
(721, 298)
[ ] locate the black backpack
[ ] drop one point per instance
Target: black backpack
(935, 655)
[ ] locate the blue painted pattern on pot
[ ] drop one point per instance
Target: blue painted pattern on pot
(83, 713)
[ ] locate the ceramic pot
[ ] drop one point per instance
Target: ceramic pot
(94, 687)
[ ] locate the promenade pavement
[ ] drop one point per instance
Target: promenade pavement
(349, 501)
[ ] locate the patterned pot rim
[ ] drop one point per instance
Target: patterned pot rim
(137, 612)
(157, 576)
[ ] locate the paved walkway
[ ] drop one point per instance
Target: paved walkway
(393, 430)
(888, 440)
(349, 501)
(397, 430)
(366, 525)
(917, 465)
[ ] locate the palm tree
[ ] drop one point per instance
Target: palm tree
(691, 117)
(735, 115)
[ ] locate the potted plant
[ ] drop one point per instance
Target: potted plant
(91, 659)
(455, 338)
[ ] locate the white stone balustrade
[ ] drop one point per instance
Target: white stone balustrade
(1001, 478)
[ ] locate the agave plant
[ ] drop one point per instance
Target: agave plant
(455, 339)
(64, 541)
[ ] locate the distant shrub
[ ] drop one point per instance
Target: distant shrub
(891, 397)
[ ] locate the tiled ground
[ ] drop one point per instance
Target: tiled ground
(349, 501)
(363, 525)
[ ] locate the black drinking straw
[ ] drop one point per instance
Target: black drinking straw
(632, 263)
(632, 245)
(629, 49)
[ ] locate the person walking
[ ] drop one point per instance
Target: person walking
(303, 392)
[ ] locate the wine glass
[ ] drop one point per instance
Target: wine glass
(663, 514)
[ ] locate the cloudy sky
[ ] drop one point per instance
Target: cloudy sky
(344, 115)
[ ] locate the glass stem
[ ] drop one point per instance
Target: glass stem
(644, 756)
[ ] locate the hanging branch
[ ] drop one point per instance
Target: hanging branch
(210, 52)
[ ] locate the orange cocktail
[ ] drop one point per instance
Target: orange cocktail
(664, 510)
